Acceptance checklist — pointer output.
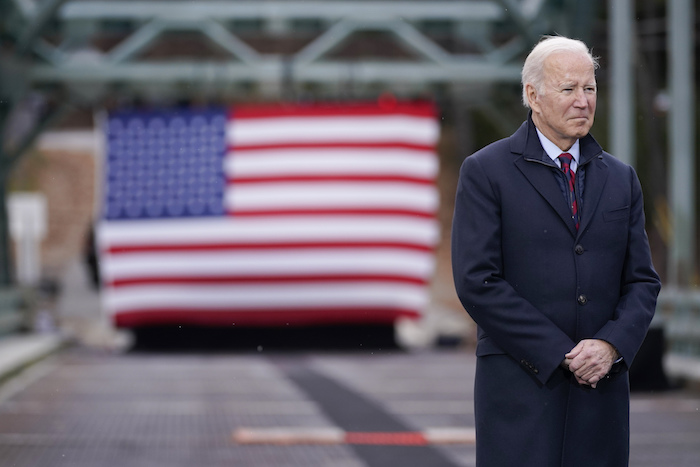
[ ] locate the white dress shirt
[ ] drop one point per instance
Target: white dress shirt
(554, 152)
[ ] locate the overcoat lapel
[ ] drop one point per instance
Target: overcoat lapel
(596, 176)
(541, 178)
(537, 168)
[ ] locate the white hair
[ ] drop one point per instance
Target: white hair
(533, 69)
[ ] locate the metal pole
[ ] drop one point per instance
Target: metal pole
(682, 159)
(6, 262)
(622, 84)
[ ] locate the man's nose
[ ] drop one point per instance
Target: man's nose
(580, 98)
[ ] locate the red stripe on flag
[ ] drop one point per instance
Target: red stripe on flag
(336, 145)
(337, 211)
(331, 178)
(242, 317)
(417, 109)
(156, 248)
(267, 279)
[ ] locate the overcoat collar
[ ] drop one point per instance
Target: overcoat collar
(534, 163)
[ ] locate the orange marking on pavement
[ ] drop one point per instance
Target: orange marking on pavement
(331, 435)
(288, 436)
(402, 438)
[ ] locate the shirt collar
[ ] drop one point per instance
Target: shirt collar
(554, 152)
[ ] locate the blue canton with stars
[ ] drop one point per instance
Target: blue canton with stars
(165, 164)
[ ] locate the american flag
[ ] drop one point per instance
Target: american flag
(269, 215)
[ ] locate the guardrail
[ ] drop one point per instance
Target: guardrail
(12, 312)
(678, 312)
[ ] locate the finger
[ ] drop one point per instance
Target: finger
(593, 378)
(588, 373)
(584, 359)
(591, 364)
(578, 363)
(575, 351)
(582, 382)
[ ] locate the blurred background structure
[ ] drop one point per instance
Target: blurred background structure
(64, 62)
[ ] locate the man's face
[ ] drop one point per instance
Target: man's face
(565, 108)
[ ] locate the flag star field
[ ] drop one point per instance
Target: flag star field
(165, 164)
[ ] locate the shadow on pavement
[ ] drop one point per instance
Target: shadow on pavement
(254, 339)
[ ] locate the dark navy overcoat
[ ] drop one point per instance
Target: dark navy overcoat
(536, 286)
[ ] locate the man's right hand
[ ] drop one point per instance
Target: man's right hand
(565, 365)
(590, 361)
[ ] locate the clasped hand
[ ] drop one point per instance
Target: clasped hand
(590, 361)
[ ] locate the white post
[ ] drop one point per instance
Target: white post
(681, 269)
(28, 218)
(622, 84)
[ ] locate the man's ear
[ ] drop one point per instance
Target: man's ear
(531, 94)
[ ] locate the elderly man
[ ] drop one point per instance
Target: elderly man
(551, 260)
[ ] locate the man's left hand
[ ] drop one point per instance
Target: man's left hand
(591, 360)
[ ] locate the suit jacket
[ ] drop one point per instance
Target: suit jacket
(536, 286)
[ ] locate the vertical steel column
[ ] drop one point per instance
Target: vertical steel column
(681, 267)
(622, 83)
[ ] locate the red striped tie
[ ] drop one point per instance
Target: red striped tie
(565, 159)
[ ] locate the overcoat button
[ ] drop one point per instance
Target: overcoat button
(582, 299)
(578, 249)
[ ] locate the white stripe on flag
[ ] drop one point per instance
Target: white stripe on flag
(269, 229)
(293, 296)
(416, 264)
(302, 129)
(332, 195)
(315, 161)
